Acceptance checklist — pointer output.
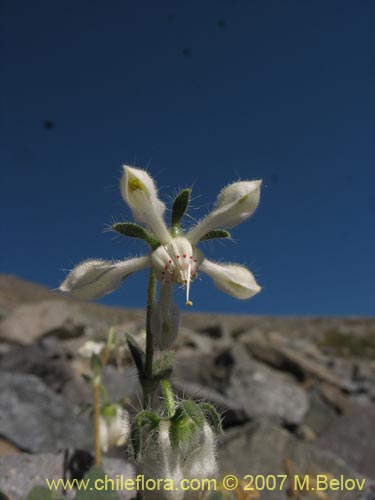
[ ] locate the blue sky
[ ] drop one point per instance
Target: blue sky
(200, 94)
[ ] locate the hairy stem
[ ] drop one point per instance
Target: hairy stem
(96, 404)
(148, 376)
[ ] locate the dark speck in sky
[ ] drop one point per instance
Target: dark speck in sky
(221, 23)
(49, 124)
(186, 52)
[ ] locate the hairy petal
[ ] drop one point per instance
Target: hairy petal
(234, 204)
(202, 462)
(165, 318)
(139, 191)
(233, 279)
(95, 278)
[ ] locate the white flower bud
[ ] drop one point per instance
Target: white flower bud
(162, 459)
(202, 462)
(114, 428)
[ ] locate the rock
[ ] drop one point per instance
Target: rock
(369, 494)
(351, 437)
(263, 392)
(48, 360)
(320, 413)
(263, 448)
(189, 339)
(20, 473)
(7, 448)
(36, 419)
(30, 322)
(211, 369)
(121, 384)
(335, 397)
(290, 360)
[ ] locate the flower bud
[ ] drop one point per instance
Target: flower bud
(114, 427)
(178, 449)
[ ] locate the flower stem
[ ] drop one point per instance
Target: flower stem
(96, 404)
(148, 382)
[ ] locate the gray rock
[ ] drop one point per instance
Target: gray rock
(121, 384)
(48, 360)
(297, 363)
(20, 473)
(369, 494)
(263, 448)
(264, 392)
(36, 419)
(352, 437)
(320, 413)
(29, 322)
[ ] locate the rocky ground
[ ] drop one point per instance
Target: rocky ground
(297, 394)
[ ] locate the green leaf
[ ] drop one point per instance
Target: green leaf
(41, 493)
(135, 231)
(137, 354)
(86, 378)
(193, 411)
(109, 410)
(209, 410)
(183, 431)
(96, 365)
(169, 401)
(96, 476)
(103, 393)
(216, 233)
(144, 419)
(180, 205)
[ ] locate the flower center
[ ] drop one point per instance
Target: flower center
(177, 262)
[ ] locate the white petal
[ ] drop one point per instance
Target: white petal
(91, 347)
(140, 193)
(233, 279)
(103, 434)
(165, 318)
(95, 278)
(202, 462)
(234, 204)
(119, 428)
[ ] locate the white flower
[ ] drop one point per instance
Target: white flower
(160, 459)
(91, 347)
(176, 259)
(114, 427)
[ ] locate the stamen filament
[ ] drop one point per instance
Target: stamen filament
(188, 301)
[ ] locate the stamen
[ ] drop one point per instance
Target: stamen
(188, 301)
